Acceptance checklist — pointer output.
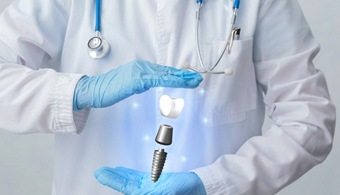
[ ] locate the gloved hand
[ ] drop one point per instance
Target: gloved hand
(135, 77)
(132, 182)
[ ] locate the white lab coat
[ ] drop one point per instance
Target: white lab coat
(43, 53)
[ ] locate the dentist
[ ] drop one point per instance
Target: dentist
(105, 112)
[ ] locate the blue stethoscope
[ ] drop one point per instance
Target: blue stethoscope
(99, 47)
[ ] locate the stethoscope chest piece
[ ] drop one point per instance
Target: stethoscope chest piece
(98, 47)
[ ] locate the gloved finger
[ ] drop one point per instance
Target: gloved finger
(189, 78)
(182, 73)
(167, 81)
(175, 81)
(172, 77)
(120, 179)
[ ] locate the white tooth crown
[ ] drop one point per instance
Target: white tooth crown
(171, 108)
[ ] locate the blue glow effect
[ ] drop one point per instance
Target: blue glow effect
(146, 138)
(205, 120)
(202, 92)
(184, 159)
(135, 105)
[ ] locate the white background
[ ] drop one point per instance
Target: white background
(26, 161)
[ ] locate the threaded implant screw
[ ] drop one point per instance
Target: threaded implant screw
(159, 157)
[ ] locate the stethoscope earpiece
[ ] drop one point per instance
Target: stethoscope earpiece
(98, 47)
(228, 71)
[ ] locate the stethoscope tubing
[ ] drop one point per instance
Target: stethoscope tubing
(228, 43)
(198, 49)
(103, 50)
(98, 16)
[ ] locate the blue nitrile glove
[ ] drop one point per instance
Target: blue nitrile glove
(132, 182)
(135, 77)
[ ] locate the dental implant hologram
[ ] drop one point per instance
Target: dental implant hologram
(163, 137)
(158, 162)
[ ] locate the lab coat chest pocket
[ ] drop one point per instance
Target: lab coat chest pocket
(223, 99)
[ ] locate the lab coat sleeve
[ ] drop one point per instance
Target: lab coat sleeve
(34, 99)
(297, 101)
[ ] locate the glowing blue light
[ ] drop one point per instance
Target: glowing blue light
(205, 120)
(184, 159)
(202, 91)
(135, 105)
(146, 138)
(160, 89)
